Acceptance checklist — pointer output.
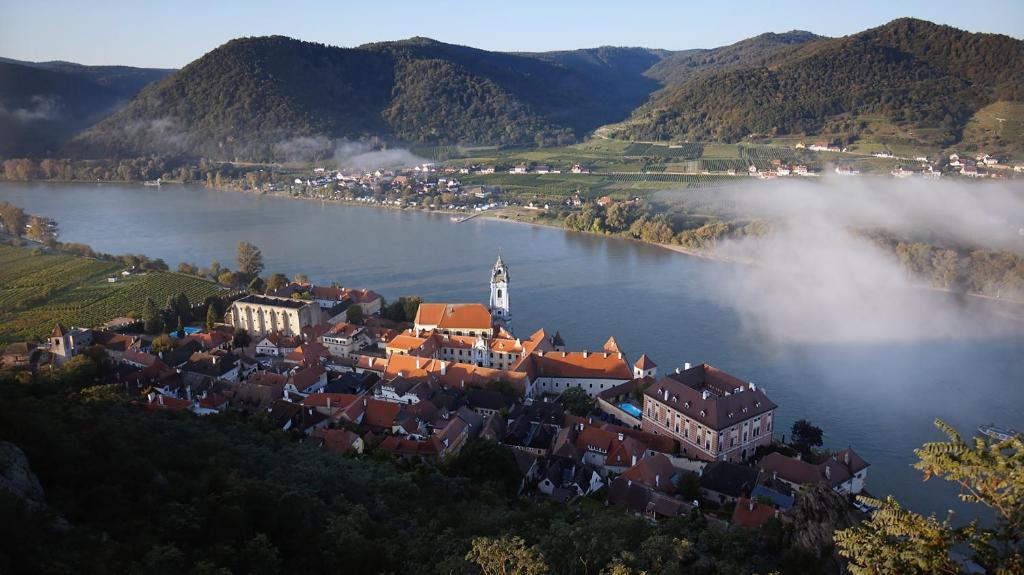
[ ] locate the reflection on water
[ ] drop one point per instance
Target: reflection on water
(879, 398)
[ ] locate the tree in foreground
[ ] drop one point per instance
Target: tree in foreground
(151, 320)
(249, 259)
(354, 314)
(211, 317)
(241, 339)
(257, 285)
(506, 556)
(896, 540)
(577, 401)
(276, 281)
(161, 343)
(40, 231)
(806, 435)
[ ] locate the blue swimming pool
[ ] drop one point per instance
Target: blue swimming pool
(630, 409)
(188, 331)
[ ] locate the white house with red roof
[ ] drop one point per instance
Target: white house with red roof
(593, 372)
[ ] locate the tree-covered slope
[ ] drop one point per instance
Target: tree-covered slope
(908, 72)
(248, 98)
(43, 104)
(683, 65)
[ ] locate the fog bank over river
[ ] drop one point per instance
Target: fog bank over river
(879, 395)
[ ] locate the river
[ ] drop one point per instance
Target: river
(879, 398)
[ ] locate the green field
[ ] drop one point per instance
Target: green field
(38, 290)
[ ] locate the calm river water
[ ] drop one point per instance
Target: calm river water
(879, 398)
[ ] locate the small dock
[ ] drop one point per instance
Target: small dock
(458, 220)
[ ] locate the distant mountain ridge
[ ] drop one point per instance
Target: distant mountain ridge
(253, 97)
(44, 103)
(277, 98)
(928, 79)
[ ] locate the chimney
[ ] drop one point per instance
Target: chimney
(679, 370)
(417, 363)
(328, 403)
(666, 394)
(657, 480)
(846, 458)
(585, 354)
(752, 386)
(751, 504)
(687, 366)
(444, 368)
(364, 402)
(704, 395)
(634, 459)
(828, 472)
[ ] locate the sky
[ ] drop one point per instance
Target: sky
(171, 34)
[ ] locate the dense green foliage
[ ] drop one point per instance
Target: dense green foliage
(283, 99)
(909, 72)
(989, 472)
(163, 493)
(757, 51)
(41, 105)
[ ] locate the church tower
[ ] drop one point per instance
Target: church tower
(499, 294)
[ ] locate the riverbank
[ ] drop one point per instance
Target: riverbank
(522, 216)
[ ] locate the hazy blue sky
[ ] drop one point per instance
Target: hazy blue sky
(173, 33)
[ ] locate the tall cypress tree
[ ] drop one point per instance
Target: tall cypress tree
(152, 322)
(211, 317)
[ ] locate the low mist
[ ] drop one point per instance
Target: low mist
(360, 156)
(816, 277)
(343, 154)
(40, 107)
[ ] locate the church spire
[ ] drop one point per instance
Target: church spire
(499, 294)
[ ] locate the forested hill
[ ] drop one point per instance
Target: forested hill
(678, 67)
(42, 104)
(254, 98)
(910, 76)
(276, 98)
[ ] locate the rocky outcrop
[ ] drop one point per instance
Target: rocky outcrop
(817, 514)
(16, 476)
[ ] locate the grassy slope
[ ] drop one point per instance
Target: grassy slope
(997, 128)
(37, 290)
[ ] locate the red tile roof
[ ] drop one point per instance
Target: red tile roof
(380, 414)
(304, 378)
(582, 365)
(338, 441)
(654, 471)
(791, 469)
(454, 316)
(751, 514)
(645, 363)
